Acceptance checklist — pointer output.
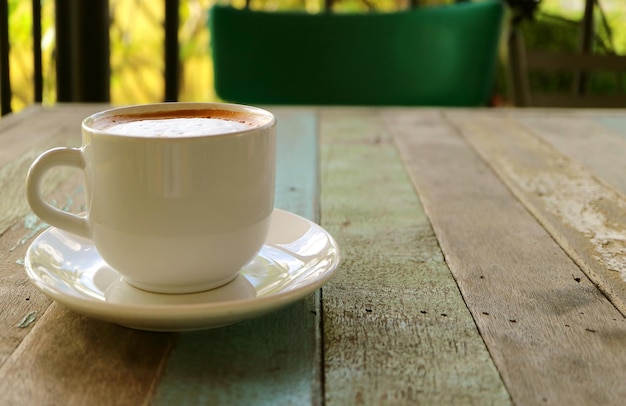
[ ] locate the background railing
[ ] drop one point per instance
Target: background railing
(154, 58)
(123, 51)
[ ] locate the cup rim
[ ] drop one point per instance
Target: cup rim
(172, 106)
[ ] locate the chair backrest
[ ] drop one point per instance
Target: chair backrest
(523, 61)
(425, 56)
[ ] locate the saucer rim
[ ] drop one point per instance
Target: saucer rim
(140, 315)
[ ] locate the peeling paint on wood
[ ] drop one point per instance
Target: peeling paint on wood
(44, 132)
(553, 336)
(584, 214)
(454, 295)
(27, 320)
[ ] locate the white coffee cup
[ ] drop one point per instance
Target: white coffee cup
(171, 213)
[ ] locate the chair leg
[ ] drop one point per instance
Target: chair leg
(172, 62)
(586, 41)
(5, 77)
(518, 69)
(82, 50)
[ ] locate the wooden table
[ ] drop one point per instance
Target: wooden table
(484, 263)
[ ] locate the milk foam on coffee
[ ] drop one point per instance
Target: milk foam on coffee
(177, 127)
(180, 123)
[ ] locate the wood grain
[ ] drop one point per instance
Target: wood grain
(39, 129)
(396, 330)
(21, 304)
(19, 300)
(596, 141)
(272, 360)
(68, 359)
(23, 137)
(552, 334)
(586, 216)
(615, 121)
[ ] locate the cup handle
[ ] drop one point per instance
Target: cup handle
(51, 215)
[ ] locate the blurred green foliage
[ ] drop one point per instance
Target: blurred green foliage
(555, 30)
(21, 54)
(136, 61)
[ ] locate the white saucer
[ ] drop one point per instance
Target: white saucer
(298, 257)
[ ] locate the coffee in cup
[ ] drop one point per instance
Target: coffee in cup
(179, 195)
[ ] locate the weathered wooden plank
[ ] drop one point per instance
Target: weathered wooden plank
(553, 335)
(68, 359)
(38, 130)
(21, 305)
(596, 143)
(297, 180)
(20, 132)
(586, 216)
(396, 329)
(273, 360)
(616, 122)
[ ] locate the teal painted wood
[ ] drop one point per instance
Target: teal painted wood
(396, 328)
(275, 359)
(297, 184)
(614, 122)
(597, 141)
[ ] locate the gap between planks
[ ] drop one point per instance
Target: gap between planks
(396, 329)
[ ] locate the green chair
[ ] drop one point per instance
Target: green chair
(437, 56)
